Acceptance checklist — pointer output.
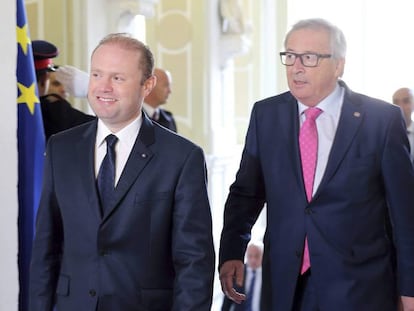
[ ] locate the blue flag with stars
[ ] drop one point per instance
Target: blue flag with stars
(31, 148)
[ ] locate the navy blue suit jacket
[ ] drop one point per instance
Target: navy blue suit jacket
(152, 250)
(167, 120)
(369, 177)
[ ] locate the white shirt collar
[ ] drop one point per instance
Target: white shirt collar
(331, 104)
(149, 109)
(128, 133)
(127, 137)
(258, 270)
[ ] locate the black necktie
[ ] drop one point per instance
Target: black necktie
(249, 298)
(106, 175)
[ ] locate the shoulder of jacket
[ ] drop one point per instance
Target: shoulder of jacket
(52, 98)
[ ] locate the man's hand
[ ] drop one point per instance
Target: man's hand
(232, 272)
(407, 303)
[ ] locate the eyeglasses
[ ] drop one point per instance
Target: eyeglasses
(307, 59)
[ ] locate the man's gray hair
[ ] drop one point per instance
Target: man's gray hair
(337, 37)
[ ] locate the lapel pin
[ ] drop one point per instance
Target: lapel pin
(143, 155)
(357, 114)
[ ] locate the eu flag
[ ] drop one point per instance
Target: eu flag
(31, 148)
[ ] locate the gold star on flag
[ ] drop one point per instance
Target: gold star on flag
(28, 96)
(23, 37)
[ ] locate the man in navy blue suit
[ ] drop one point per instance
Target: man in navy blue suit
(330, 250)
(404, 98)
(144, 244)
(158, 97)
(252, 285)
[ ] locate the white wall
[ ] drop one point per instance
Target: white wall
(379, 38)
(8, 159)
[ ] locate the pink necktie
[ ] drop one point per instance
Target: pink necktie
(308, 143)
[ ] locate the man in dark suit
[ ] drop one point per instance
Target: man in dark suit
(57, 113)
(158, 97)
(145, 243)
(404, 98)
(252, 281)
(326, 245)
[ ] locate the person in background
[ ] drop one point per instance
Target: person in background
(404, 98)
(57, 113)
(158, 97)
(332, 166)
(124, 220)
(252, 285)
(56, 87)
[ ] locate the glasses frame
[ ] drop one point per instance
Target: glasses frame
(301, 55)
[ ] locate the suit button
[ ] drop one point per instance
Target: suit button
(92, 293)
(102, 252)
(308, 211)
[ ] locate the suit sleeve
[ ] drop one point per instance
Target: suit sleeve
(398, 177)
(192, 242)
(245, 200)
(47, 245)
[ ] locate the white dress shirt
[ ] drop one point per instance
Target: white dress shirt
(149, 110)
(326, 123)
(126, 140)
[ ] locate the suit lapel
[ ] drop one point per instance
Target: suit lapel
(290, 124)
(87, 167)
(138, 159)
(351, 118)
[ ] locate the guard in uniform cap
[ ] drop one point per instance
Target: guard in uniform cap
(58, 114)
(43, 52)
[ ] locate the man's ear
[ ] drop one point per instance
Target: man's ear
(149, 84)
(340, 67)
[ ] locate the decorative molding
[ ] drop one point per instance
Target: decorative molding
(121, 13)
(138, 7)
(233, 45)
(234, 30)
(179, 48)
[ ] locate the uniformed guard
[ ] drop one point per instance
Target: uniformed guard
(58, 114)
